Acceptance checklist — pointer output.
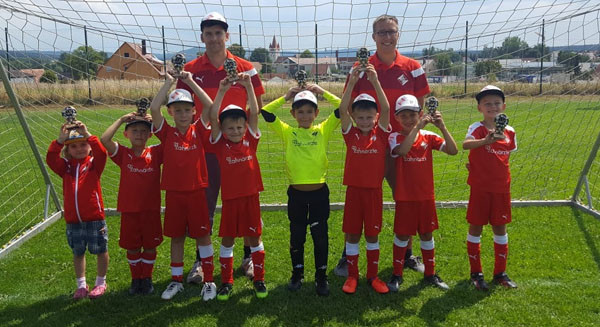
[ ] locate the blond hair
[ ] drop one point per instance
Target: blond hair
(383, 18)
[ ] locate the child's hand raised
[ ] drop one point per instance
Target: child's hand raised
(314, 88)
(186, 77)
(426, 119)
(354, 76)
(493, 137)
(371, 73)
(225, 84)
(244, 80)
(291, 93)
(82, 129)
(437, 120)
(169, 78)
(128, 117)
(63, 135)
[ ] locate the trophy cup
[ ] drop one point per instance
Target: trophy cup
(178, 61)
(301, 78)
(501, 121)
(432, 104)
(231, 69)
(363, 59)
(69, 113)
(142, 107)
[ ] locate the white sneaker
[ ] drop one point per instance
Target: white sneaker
(172, 289)
(196, 274)
(209, 291)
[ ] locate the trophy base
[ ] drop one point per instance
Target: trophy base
(71, 127)
(498, 135)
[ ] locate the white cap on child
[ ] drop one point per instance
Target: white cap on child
(180, 95)
(489, 89)
(407, 102)
(232, 109)
(306, 95)
(364, 97)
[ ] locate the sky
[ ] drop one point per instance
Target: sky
(57, 25)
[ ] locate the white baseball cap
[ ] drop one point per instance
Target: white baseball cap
(489, 89)
(364, 97)
(407, 102)
(232, 110)
(214, 17)
(306, 95)
(180, 95)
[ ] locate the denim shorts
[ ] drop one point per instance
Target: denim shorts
(92, 235)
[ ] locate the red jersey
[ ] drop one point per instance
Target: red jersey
(240, 172)
(414, 171)
(82, 194)
(488, 164)
(365, 157)
(184, 166)
(404, 76)
(208, 78)
(139, 186)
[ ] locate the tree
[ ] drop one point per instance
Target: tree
(237, 50)
(487, 67)
(442, 64)
(536, 52)
(262, 55)
(571, 60)
(76, 61)
(306, 54)
(513, 46)
(48, 77)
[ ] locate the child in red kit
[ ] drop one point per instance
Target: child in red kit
(234, 139)
(139, 197)
(80, 167)
(414, 195)
(366, 147)
(489, 178)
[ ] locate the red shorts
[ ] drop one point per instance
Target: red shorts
(414, 217)
(186, 213)
(241, 217)
(140, 229)
(488, 208)
(363, 206)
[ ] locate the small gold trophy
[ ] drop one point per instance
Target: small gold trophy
(231, 69)
(501, 121)
(70, 113)
(142, 107)
(301, 78)
(178, 61)
(432, 104)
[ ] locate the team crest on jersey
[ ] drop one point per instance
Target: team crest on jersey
(402, 79)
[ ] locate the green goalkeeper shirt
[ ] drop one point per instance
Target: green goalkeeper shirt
(305, 148)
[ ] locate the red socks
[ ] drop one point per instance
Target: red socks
(258, 259)
(500, 253)
(135, 264)
(148, 259)
(428, 261)
(372, 263)
(177, 271)
(226, 270)
(399, 253)
(474, 252)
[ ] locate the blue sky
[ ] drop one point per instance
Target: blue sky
(38, 24)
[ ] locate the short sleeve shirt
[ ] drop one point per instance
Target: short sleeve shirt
(488, 165)
(365, 157)
(404, 76)
(184, 165)
(208, 78)
(414, 171)
(240, 172)
(139, 186)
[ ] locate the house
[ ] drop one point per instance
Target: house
(312, 66)
(26, 75)
(131, 61)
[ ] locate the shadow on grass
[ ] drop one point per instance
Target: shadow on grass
(586, 234)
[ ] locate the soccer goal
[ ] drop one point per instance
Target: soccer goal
(102, 56)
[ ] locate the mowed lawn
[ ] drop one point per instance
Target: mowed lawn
(554, 257)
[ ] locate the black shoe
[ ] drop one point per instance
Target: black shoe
(502, 279)
(135, 286)
(394, 283)
(260, 289)
(478, 281)
(322, 286)
(146, 286)
(435, 280)
(224, 292)
(296, 281)
(341, 269)
(415, 263)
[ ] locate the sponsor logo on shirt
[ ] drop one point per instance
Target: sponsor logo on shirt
(498, 152)
(298, 143)
(232, 161)
(184, 147)
(133, 169)
(415, 159)
(402, 79)
(356, 150)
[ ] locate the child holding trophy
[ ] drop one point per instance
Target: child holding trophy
(82, 162)
(490, 142)
(139, 194)
(412, 147)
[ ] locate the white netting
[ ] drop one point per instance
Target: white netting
(555, 127)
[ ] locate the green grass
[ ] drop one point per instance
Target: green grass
(554, 257)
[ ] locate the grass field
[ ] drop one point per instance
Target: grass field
(554, 257)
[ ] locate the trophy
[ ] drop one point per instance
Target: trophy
(142, 106)
(432, 104)
(69, 113)
(501, 121)
(178, 61)
(363, 59)
(231, 69)
(301, 78)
